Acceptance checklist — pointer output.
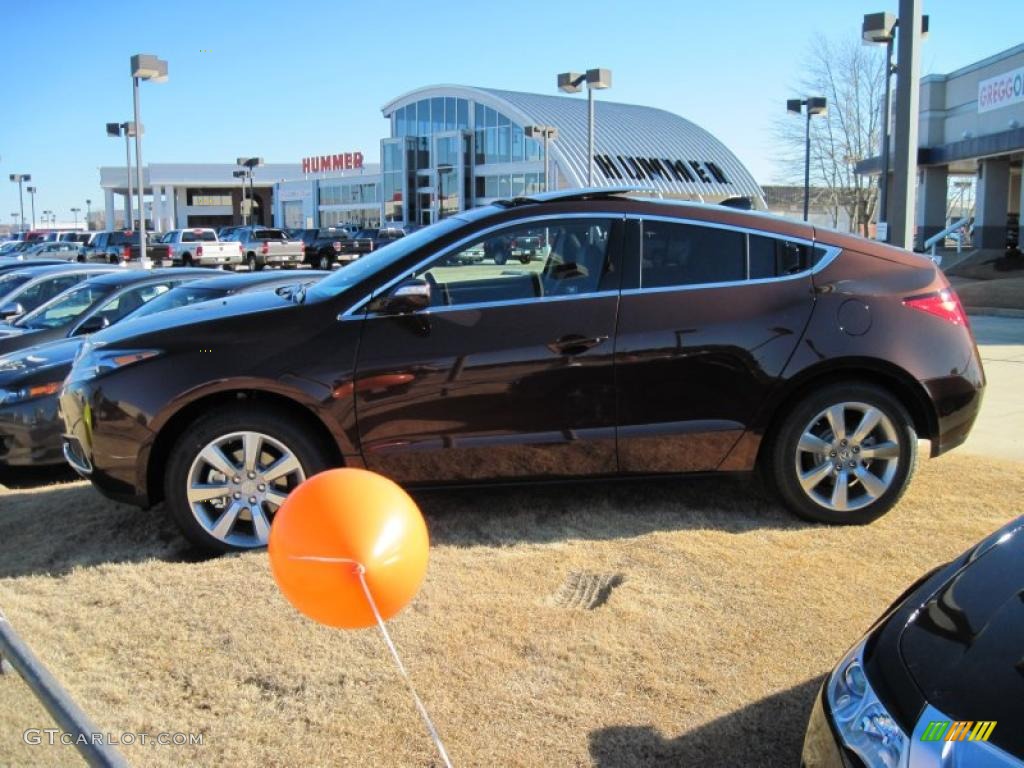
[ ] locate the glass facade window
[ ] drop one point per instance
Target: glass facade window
(358, 217)
(292, 210)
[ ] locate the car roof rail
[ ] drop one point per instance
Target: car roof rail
(574, 195)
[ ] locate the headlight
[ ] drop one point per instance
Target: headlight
(864, 725)
(93, 360)
(12, 396)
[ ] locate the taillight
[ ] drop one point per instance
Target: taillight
(944, 304)
(265, 248)
(199, 251)
(170, 251)
(337, 247)
(126, 254)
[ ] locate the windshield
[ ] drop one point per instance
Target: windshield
(64, 309)
(179, 297)
(382, 258)
(9, 282)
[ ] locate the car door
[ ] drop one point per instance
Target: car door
(707, 322)
(509, 371)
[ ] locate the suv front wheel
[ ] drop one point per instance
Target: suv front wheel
(844, 454)
(230, 472)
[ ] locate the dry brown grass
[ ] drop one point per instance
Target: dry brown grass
(708, 650)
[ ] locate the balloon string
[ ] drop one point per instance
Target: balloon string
(361, 571)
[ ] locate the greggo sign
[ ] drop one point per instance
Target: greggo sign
(1001, 91)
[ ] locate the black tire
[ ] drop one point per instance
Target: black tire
(324, 262)
(268, 421)
(894, 438)
(186, 260)
(524, 258)
(81, 259)
(252, 263)
(500, 258)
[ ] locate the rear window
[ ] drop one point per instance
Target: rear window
(268, 234)
(685, 254)
(367, 233)
(198, 236)
(123, 238)
(774, 257)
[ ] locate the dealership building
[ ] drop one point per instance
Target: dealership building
(971, 126)
(449, 148)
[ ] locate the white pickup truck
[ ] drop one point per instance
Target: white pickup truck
(195, 247)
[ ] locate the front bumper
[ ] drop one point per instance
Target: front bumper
(822, 748)
(109, 460)
(30, 433)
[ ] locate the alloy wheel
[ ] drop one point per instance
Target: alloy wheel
(847, 456)
(236, 484)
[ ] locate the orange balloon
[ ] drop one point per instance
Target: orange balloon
(355, 515)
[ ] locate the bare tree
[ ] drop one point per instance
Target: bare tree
(851, 77)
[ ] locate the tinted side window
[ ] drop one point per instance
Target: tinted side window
(557, 258)
(772, 257)
(688, 254)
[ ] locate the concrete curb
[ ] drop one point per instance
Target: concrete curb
(995, 311)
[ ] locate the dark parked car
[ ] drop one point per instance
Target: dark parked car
(370, 240)
(93, 305)
(23, 290)
(113, 246)
(655, 337)
(323, 248)
(30, 426)
(937, 681)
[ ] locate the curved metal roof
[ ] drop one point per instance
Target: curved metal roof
(622, 130)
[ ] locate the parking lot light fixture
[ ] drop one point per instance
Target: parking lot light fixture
(76, 211)
(596, 80)
(20, 179)
(32, 195)
(127, 130)
(144, 66)
(249, 164)
(547, 133)
(812, 105)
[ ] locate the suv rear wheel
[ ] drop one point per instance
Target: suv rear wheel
(230, 472)
(844, 454)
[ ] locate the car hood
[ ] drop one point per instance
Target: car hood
(50, 361)
(963, 646)
(7, 331)
(252, 302)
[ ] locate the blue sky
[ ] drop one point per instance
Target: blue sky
(288, 79)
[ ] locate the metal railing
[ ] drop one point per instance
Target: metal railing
(940, 237)
(68, 716)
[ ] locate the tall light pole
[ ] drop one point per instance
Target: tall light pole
(241, 205)
(596, 79)
(880, 29)
(127, 130)
(14, 216)
(88, 214)
(46, 215)
(548, 133)
(32, 196)
(144, 66)
(76, 211)
(249, 164)
(814, 105)
(20, 178)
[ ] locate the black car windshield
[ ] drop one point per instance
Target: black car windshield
(181, 296)
(9, 282)
(369, 265)
(64, 309)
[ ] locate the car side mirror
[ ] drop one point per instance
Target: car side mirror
(10, 311)
(93, 324)
(409, 296)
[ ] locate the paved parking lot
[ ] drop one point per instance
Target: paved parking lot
(1000, 426)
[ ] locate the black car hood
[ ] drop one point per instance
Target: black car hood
(50, 362)
(250, 302)
(964, 647)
